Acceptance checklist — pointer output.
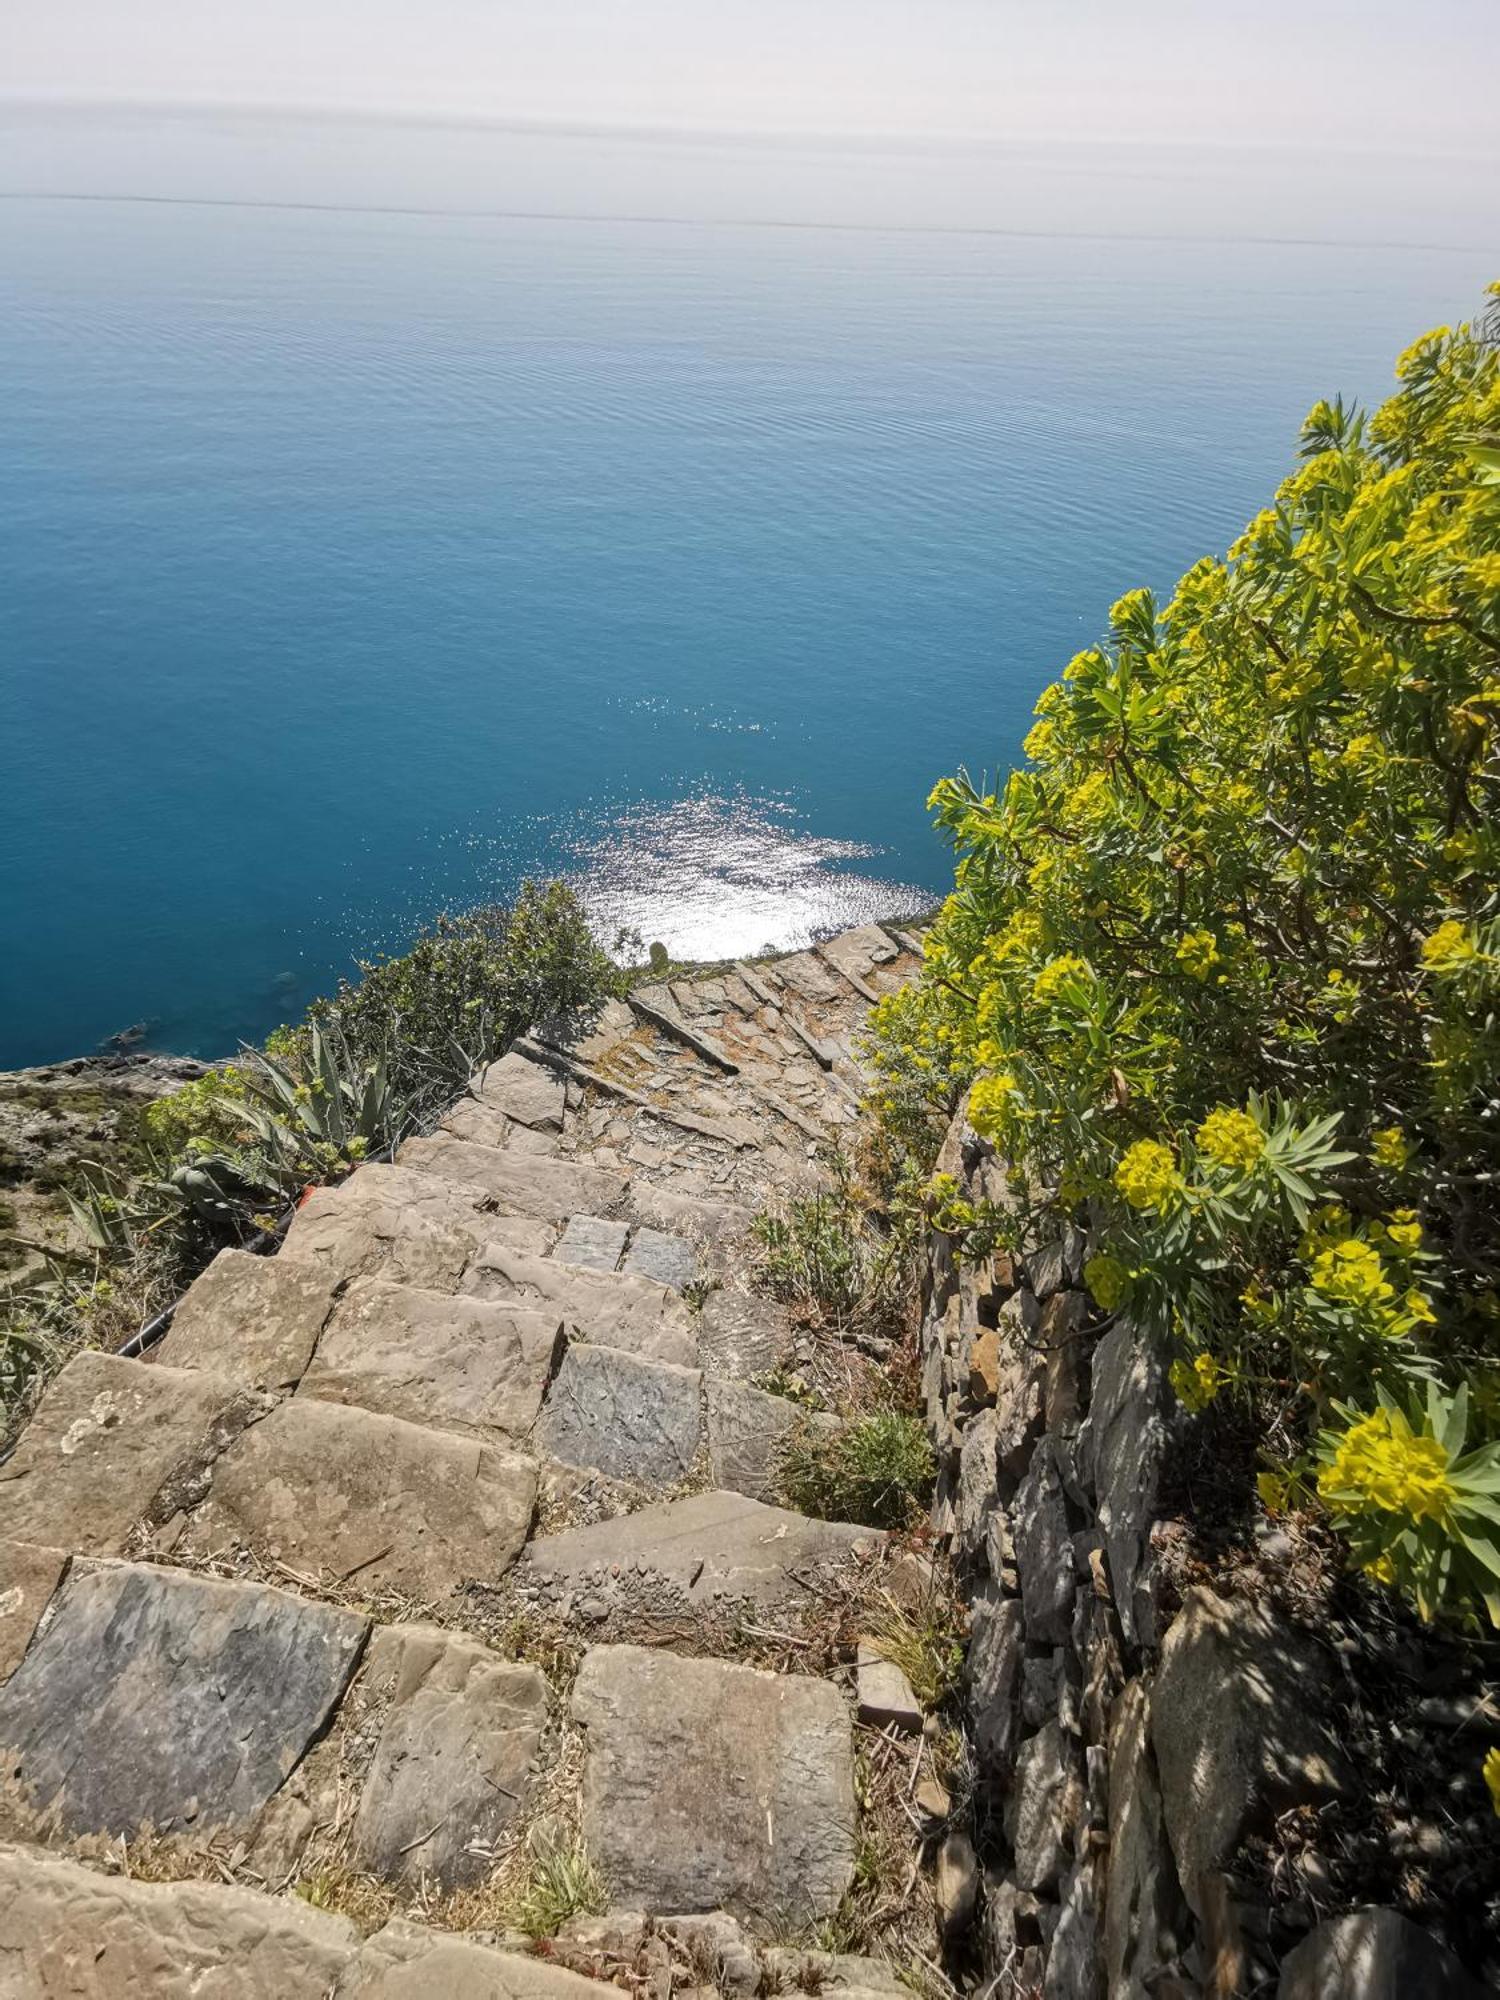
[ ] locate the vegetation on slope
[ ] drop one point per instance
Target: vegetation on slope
(1222, 965)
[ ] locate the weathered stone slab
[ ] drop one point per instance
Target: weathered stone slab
(550, 1190)
(709, 1545)
(484, 1125)
(321, 1486)
(805, 973)
(862, 949)
(719, 1228)
(1373, 1955)
(997, 1646)
(709, 1786)
(454, 1757)
(70, 1933)
(670, 1260)
(1238, 1725)
(459, 1363)
(524, 1091)
(886, 1700)
(28, 1577)
(253, 1320)
(1143, 1909)
(410, 1228)
(740, 1336)
(104, 1438)
(404, 1961)
(1127, 1439)
(592, 1243)
(630, 1419)
(1044, 1550)
(610, 1309)
(747, 1430)
(169, 1701)
(1038, 1820)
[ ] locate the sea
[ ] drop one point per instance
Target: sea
(392, 510)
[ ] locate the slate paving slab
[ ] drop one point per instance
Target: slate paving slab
(455, 1752)
(458, 1363)
(325, 1487)
(611, 1309)
(740, 1336)
(413, 1229)
(73, 1934)
(705, 1547)
(748, 1431)
(485, 1125)
(169, 1701)
(712, 1786)
(638, 1421)
(592, 1243)
(103, 1440)
(254, 1320)
(524, 1091)
(28, 1577)
(550, 1190)
(670, 1260)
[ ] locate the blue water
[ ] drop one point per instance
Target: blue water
(356, 562)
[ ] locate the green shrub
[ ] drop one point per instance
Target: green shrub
(1222, 964)
(878, 1471)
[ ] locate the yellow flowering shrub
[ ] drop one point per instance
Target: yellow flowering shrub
(1224, 954)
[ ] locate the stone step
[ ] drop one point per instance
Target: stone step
(331, 1493)
(741, 1335)
(747, 1431)
(524, 1090)
(413, 1228)
(713, 1786)
(708, 1548)
(482, 1125)
(599, 1243)
(548, 1190)
(636, 1421)
(458, 1363)
(611, 1309)
(252, 1320)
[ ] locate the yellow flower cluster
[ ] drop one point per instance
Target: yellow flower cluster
(1391, 1148)
(1054, 976)
(1381, 1466)
(1147, 1176)
(1351, 1273)
(1491, 1771)
(1231, 1139)
(989, 1104)
(1198, 953)
(1107, 1279)
(1449, 950)
(1197, 1382)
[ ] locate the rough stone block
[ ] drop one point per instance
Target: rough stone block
(169, 1701)
(1144, 1913)
(483, 1125)
(458, 1363)
(608, 1309)
(1127, 1438)
(709, 1786)
(28, 1577)
(633, 1420)
(102, 1442)
(1044, 1550)
(252, 1320)
(1037, 1818)
(670, 1260)
(524, 1091)
(403, 1961)
(549, 1190)
(886, 1699)
(746, 1432)
(709, 1545)
(410, 1228)
(592, 1243)
(454, 1758)
(740, 1336)
(70, 1933)
(324, 1487)
(997, 1644)
(1239, 1725)
(1373, 1955)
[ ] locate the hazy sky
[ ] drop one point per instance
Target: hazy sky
(1385, 75)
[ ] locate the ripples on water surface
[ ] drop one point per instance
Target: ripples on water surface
(357, 563)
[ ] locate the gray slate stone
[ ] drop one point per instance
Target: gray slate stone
(1018, 1396)
(71, 1933)
(1239, 1727)
(746, 1432)
(170, 1701)
(670, 1260)
(1144, 1912)
(885, 1696)
(1075, 1958)
(592, 1243)
(634, 1420)
(483, 1125)
(1044, 1550)
(1038, 1819)
(324, 1487)
(711, 1544)
(549, 1190)
(740, 1336)
(252, 1320)
(978, 1483)
(28, 1577)
(458, 1363)
(454, 1758)
(1373, 1955)
(997, 1645)
(1127, 1438)
(709, 1786)
(413, 1229)
(524, 1091)
(104, 1439)
(720, 1228)
(611, 1310)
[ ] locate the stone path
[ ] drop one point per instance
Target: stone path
(249, 1585)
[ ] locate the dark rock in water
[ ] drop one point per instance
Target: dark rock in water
(170, 1701)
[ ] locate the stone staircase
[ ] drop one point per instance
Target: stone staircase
(451, 1521)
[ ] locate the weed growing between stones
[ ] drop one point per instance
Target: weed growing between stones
(553, 1879)
(878, 1471)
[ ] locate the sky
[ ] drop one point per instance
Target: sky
(1369, 75)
